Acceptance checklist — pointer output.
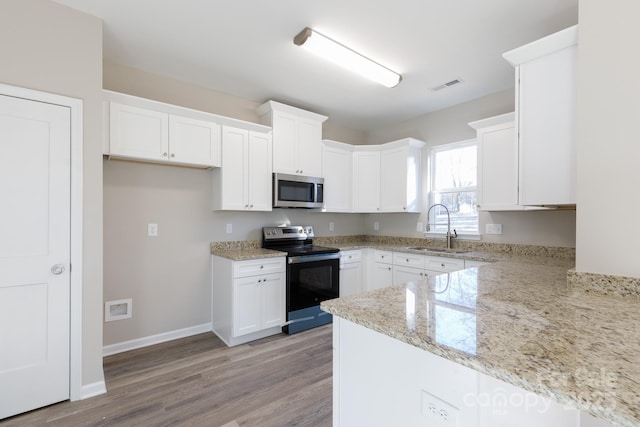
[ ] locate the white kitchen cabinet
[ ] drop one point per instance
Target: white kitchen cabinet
(380, 271)
(248, 298)
(497, 163)
(409, 267)
(141, 134)
(297, 138)
(138, 133)
(546, 78)
(244, 180)
(400, 186)
(195, 142)
(337, 170)
(350, 272)
(366, 180)
(386, 177)
(150, 131)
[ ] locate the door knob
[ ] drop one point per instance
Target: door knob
(57, 269)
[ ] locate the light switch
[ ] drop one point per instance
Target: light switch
(331, 226)
(152, 230)
(229, 228)
(376, 226)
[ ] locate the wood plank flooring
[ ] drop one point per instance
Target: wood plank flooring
(198, 381)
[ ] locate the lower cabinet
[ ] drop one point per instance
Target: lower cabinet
(380, 271)
(350, 272)
(248, 298)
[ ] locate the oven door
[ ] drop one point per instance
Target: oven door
(311, 279)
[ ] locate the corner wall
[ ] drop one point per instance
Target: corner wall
(52, 48)
(608, 149)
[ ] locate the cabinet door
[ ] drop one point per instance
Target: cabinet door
(259, 185)
(273, 300)
(337, 166)
(403, 274)
(366, 181)
(350, 274)
(382, 276)
(233, 187)
(138, 133)
(443, 264)
(498, 168)
(246, 305)
(285, 131)
(547, 126)
(393, 180)
(194, 142)
(309, 148)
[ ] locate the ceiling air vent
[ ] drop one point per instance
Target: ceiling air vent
(447, 84)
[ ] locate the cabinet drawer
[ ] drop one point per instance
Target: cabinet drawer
(443, 264)
(383, 256)
(258, 266)
(347, 257)
(409, 260)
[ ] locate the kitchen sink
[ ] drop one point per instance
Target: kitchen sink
(441, 250)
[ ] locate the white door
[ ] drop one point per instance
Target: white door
(34, 254)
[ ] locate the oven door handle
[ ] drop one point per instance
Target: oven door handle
(311, 258)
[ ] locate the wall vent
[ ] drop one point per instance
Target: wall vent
(447, 84)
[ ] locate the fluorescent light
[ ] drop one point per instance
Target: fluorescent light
(341, 55)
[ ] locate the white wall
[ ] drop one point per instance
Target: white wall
(548, 228)
(608, 149)
(52, 48)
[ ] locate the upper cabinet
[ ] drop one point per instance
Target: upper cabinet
(386, 178)
(337, 171)
(546, 118)
(244, 180)
(150, 131)
(497, 163)
(297, 138)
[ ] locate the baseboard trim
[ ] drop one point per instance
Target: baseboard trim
(121, 347)
(93, 389)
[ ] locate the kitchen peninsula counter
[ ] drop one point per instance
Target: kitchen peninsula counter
(519, 322)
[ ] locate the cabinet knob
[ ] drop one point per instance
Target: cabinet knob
(173, 155)
(165, 154)
(404, 208)
(259, 280)
(261, 267)
(389, 268)
(407, 259)
(301, 171)
(441, 265)
(251, 206)
(246, 206)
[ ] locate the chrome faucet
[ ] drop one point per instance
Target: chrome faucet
(449, 236)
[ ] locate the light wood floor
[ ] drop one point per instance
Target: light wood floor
(198, 381)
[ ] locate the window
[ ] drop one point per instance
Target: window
(453, 184)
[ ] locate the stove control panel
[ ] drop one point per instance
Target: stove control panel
(292, 232)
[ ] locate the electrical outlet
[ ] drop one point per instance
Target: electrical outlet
(229, 228)
(420, 226)
(331, 226)
(493, 228)
(152, 230)
(438, 412)
(376, 226)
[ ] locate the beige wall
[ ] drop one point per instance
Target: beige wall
(52, 48)
(608, 149)
(548, 228)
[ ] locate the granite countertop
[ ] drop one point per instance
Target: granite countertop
(242, 251)
(517, 320)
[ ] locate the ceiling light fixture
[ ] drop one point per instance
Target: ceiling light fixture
(341, 55)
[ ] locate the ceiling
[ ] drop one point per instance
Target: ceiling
(245, 48)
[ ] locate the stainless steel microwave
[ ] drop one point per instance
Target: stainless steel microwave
(295, 191)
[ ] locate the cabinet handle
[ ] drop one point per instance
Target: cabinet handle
(165, 154)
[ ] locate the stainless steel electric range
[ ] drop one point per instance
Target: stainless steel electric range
(313, 275)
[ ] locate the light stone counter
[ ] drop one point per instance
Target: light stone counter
(518, 321)
(243, 250)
